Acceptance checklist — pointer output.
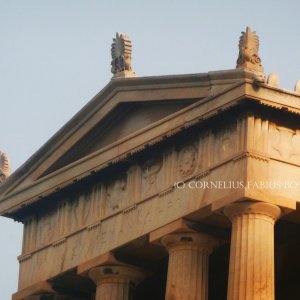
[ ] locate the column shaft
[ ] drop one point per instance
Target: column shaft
(251, 268)
(188, 265)
(117, 289)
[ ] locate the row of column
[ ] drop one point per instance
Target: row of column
(251, 269)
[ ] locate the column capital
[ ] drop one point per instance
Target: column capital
(116, 273)
(189, 240)
(251, 207)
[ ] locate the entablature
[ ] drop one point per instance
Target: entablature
(199, 113)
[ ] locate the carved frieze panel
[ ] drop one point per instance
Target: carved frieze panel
(224, 144)
(151, 176)
(284, 143)
(116, 195)
(187, 161)
(46, 228)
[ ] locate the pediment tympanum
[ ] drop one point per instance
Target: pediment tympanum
(124, 120)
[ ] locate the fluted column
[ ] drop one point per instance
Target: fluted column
(115, 282)
(188, 265)
(251, 268)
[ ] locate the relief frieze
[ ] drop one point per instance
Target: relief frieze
(116, 195)
(187, 161)
(81, 208)
(153, 176)
(224, 145)
(151, 172)
(111, 212)
(46, 229)
(284, 143)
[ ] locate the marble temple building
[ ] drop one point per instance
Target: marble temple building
(179, 187)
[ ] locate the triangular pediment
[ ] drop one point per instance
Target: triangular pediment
(127, 116)
(122, 108)
(124, 120)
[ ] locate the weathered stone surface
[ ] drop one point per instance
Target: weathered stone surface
(251, 270)
(248, 53)
(188, 265)
(33, 188)
(273, 80)
(4, 166)
(121, 50)
(145, 192)
(115, 282)
(297, 87)
(146, 160)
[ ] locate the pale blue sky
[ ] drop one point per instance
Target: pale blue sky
(55, 56)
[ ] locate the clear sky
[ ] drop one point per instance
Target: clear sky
(55, 56)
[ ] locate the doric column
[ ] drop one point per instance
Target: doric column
(115, 282)
(251, 268)
(188, 265)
